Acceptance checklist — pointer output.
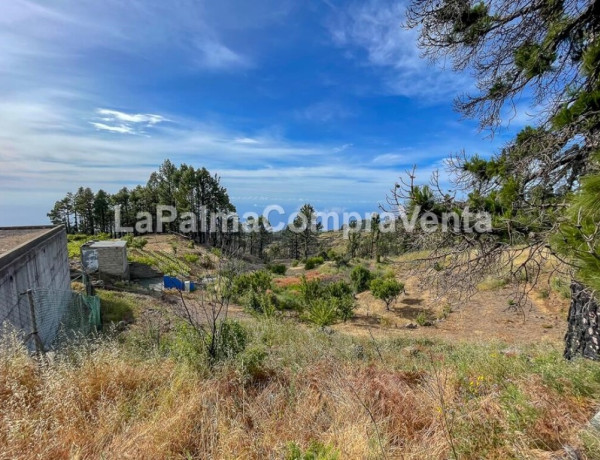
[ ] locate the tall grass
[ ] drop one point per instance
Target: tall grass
(294, 392)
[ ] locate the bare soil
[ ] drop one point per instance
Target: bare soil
(484, 317)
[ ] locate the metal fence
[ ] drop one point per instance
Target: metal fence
(46, 317)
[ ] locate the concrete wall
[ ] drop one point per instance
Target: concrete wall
(41, 263)
(113, 261)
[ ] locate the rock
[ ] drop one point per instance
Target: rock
(595, 421)
(327, 330)
(571, 453)
(358, 351)
(511, 352)
(410, 351)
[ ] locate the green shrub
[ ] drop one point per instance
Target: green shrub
(322, 312)
(360, 277)
(191, 258)
(217, 252)
(263, 304)
(146, 260)
(313, 262)
(252, 362)
(386, 289)
(422, 319)
(257, 282)
(277, 269)
(135, 242)
(289, 301)
(295, 263)
(316, 451)
(340, 294)
(324, 304)
(310, 290)
(232, 339)
(186, 345)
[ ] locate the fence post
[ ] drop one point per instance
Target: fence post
(39, 346)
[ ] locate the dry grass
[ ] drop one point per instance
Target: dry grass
(123, 398)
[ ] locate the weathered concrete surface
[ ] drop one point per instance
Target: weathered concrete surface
(111, 256)
(39, 263)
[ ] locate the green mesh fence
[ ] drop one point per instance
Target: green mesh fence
(57, 315)
(62, 314)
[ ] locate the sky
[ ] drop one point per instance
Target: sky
(319, 101)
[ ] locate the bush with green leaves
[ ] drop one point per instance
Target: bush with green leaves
(387, 289)
(188, 345)
(257, 282)
(321, 312)
(252, 362)
(262, 304)
(191, 258)
(342, 299)
(324, 304)
(135, 242)
(360, 277)
(313, 262)
(310, 290)
(277, 269)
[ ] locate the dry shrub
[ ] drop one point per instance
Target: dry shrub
(105, 402)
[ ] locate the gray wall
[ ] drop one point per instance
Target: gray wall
(38, 264)
(113, 261)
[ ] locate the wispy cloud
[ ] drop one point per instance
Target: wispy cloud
(325, 112)
(372, 33)
(217, 56)
(342, 148)
(125, 123)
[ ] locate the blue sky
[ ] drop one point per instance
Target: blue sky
(319, 101)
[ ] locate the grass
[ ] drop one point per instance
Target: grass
(492, 283)
(117, 306)
(296, 393)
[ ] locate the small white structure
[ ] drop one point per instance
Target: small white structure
(107, 258)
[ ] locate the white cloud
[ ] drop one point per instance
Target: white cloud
(146, 118)
(375, 28)
(115, 129)
(126, 123)
(246, 140)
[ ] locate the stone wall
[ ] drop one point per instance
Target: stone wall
(583, 333)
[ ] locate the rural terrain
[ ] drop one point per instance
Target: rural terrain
(424, 379)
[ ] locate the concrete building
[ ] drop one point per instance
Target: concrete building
(31, 258)
(108, 259)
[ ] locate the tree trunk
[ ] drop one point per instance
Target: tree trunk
(583, 333)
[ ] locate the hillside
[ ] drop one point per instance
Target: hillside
(472, 381)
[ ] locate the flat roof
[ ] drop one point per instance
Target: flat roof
(107, 244)
(13, 237)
